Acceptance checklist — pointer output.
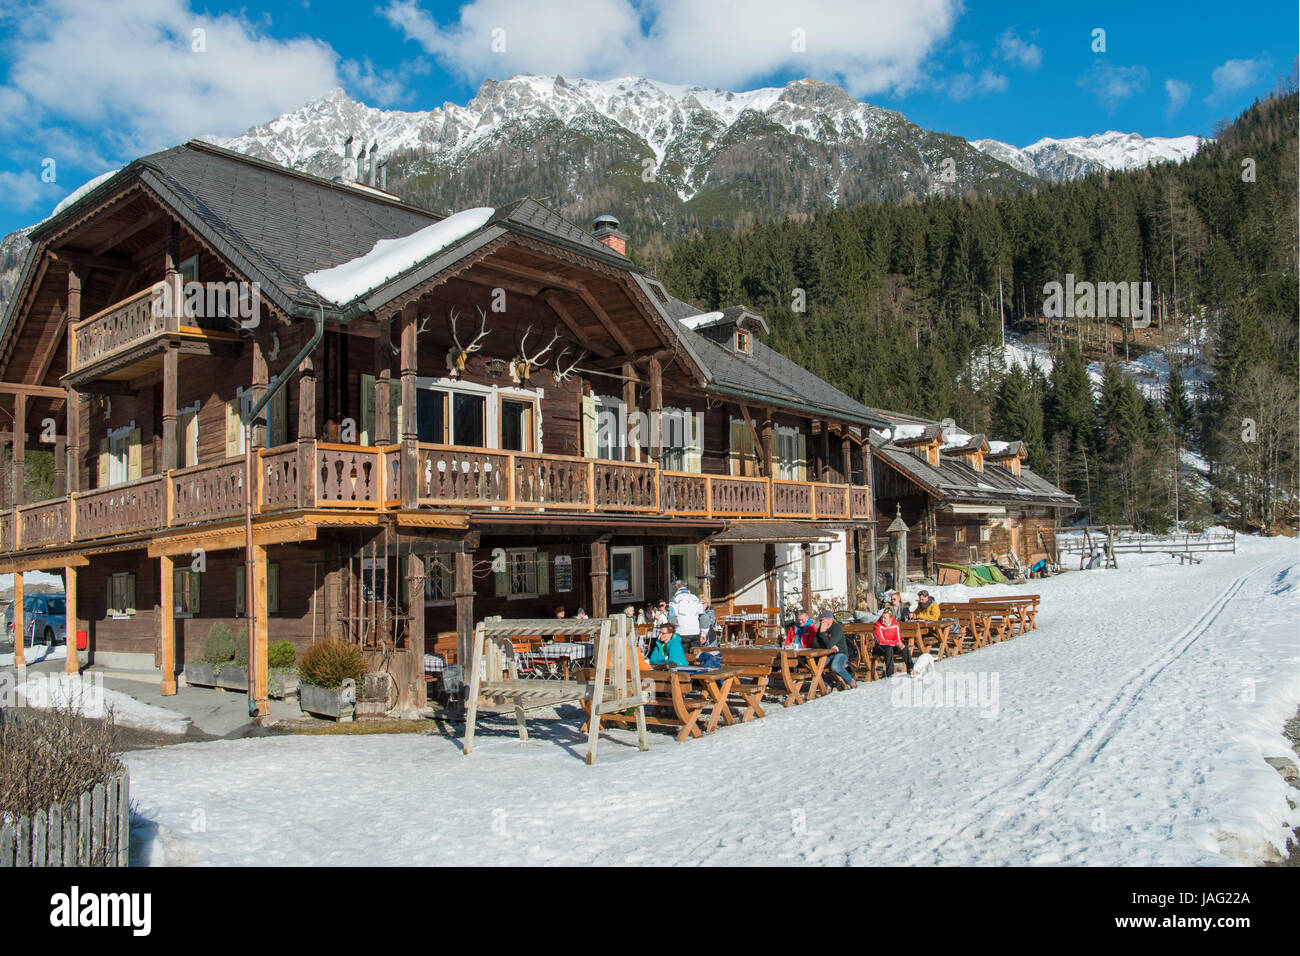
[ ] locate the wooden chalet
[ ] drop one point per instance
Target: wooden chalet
(964, 499)
(468, 437)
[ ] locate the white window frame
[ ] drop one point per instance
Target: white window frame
(691, 575)
(119, 613)
(636, 577)
(681, 457)
(787, 470)
(191, 452)
(614, 450)
(119, 469)
(492, 396)
(178, 592)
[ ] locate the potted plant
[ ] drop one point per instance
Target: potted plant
(233, 675)
(374, 695)
(283, 681)
(329, 673)
(218, 650)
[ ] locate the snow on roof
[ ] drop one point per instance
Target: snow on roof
(980, 484)
(77, 193)
(695, 321)
(391, 257)
(998, 447)
(904, 432)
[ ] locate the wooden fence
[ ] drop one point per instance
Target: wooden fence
(94, 830)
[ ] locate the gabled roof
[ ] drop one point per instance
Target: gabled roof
(956, 482)
(765, 375)
(974, 443)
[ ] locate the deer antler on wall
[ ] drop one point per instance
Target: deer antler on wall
(562, 371)
(522, 365)
(458, 354)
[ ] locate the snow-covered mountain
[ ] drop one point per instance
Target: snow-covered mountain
(1060, 160)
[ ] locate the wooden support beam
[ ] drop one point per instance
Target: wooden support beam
(60, 466)
(550, 297)
(34, 391)
(410, 358)
(261, 379)
(87, 261)
(20, 449)
(873, 581)
(826, 452)
(846, 459)
(415, 577)
(769, 577)
(703, 583)
(765, 437)
(631, 438)
(559, 282)
(600, 577)
(807, 576)
(463, 595)
(170, 383)
(121, 235)
(765, 460)
(72, 619)
(383, 372)
(259, 704)
(851, 566)
(656, 412)
(20, 624)
(307, 433)
(167, 624)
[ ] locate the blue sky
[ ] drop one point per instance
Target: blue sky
(87, 85)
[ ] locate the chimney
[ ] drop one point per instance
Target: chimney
(347, 148)
(361, 164)
(374, 148)
(605, 229)
(383, 175)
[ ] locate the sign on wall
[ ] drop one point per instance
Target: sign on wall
(563, 570)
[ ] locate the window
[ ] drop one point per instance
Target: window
(789, 454)
(985, 532)
(680, 429)
(742, 449)
(517, 428)
(820, 567)
(237, 409)
(467, 425)
(451, 417)
(683, 565)
(742, 341)
(185, 592)
(959, 535)
(272, 589)
(609, 428)
(437, 580)
(429, 417)
(189, 269)
(119, 456)
(121, 595)
(626, 567)
(525, 574)
(187, 436)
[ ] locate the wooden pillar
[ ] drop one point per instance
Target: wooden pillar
(415, 574)
(72, 407)
(166, 624)
(872, 579)
(825, 453)
(20, 450)
(656, 412)
(410, 364)
(261, 376)
(307, 433)
(600, 577)
(846, 459)
(765, 441)
(172, 275)
(60, 466)
(71, 619)
(851, 566)
(259, 705)
(20, 655)
(806, 551)
(383, 372)
(463, 595)
(703, 583)
(769, 578)
(632, 437)
(171, 362)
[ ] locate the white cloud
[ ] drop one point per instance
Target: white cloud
(1233, 76)
(1113, 84)
(1015, 50)
(963, 86)
(1178, 93)
(131, 72)
(25, 190)
(867, 47)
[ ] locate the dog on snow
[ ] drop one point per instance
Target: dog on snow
(923, 666)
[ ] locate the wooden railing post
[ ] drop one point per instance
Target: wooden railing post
(591, 485)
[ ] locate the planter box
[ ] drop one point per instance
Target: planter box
(324, 702)
(283, 684)
(372, 701)
(200, 674)
(233, 678)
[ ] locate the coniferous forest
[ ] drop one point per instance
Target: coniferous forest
(905, 306)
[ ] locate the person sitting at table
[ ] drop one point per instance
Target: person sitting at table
(657, 613)
(830, 636)
(800, 633)
(927, 608)
(582, 614)
(559, 612)
(863, 614)
(708, 624)
(899, 607)
(889, 641)
(667, 649)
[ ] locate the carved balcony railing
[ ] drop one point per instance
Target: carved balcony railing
(348, 476)
(684, 493)
(116, 328)
(44, 523)
(278, 477)
(447, 475)
(625, 486)
(121, 509)
(208, 492)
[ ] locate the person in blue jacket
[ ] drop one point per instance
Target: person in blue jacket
(667, 648)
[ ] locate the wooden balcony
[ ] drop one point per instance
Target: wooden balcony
(125, 340)
(447, 477)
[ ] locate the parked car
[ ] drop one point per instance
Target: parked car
(44, 620)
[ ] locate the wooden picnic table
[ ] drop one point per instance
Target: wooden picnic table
(717, 683)
(753, 668)
(801, 671)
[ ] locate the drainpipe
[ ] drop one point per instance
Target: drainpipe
(258, 706)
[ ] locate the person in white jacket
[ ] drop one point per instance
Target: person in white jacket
(685, 611)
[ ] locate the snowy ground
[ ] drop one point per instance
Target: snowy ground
(93, 699)
(1130, 728)
(35, 653)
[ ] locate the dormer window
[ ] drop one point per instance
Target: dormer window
(742, 341)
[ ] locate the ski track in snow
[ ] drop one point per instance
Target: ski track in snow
(1165, 768)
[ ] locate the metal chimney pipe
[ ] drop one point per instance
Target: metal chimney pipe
(347, 148)
(374, 148)
(361, 164)
(383, 175)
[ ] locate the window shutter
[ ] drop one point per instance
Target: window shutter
(589, 426)
(543, 573)
(133, 455)
(273, 588)
(694, 442)
(803, 457)
(277, 416)
(233, 428)
(367, 408)
(194, 591)
(130, 594)
(103, 463)
(501, 583)
(240, 582)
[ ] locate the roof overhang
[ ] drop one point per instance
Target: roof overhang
(959, 509)
(773, 532)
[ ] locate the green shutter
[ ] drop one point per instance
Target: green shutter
(367, 408)
(272, 588)
(501, 582)
(194, 591)
(130, 594)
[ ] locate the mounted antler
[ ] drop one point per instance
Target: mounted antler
(563, 372)
(522, 365)
(458, 354)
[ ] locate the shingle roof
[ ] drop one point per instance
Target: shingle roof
(958, 482)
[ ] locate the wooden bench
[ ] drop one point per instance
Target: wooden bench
(755, 667)
(671, 702)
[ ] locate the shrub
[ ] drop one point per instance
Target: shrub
(220, 646)
(241, 650)
(328, 663)
(281, 654)
(52, 757)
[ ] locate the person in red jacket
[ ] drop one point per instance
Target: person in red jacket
(800, 634)
(889, 641)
